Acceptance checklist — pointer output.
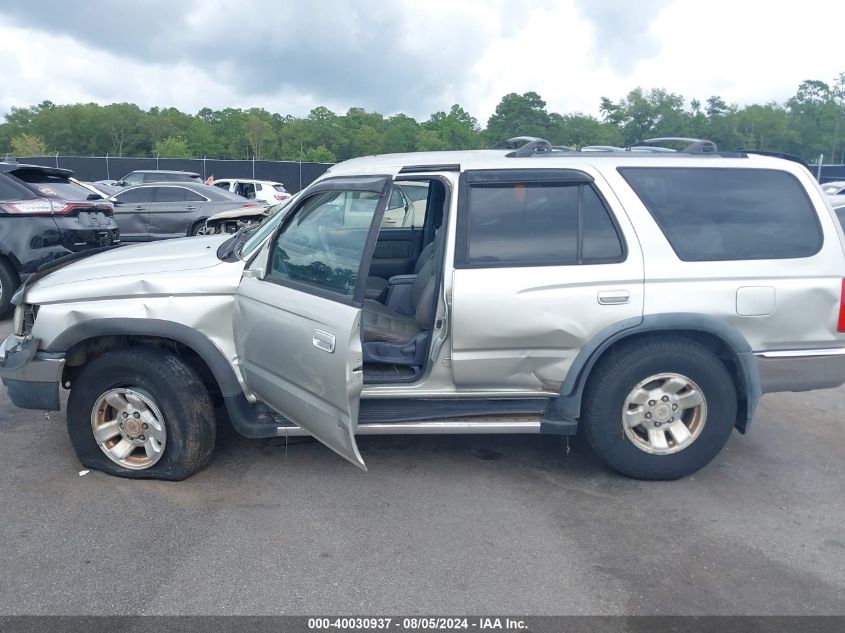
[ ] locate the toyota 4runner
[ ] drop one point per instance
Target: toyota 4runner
(646, 298)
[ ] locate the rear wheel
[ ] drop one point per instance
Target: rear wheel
(8, 285)
(141, 413)
(200, 228)
(660, 409)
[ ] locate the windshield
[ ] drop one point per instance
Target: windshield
(267, 227)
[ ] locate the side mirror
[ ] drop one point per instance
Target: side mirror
(114, 200)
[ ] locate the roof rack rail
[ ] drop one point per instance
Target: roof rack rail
(602, 148)
(518, 142)
(694, 145)
(529, 146)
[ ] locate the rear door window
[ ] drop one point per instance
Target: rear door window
(723, 214)
(537, 224)
(169, 194)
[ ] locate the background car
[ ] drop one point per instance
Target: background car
(234, 220)
(103, 190)
(141, 176)
(838, 204)
(165, 210)
(834, 188)
(43, 216)
(266, 191)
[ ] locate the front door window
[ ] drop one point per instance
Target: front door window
(323, 245)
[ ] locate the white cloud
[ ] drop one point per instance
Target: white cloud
(421, 57)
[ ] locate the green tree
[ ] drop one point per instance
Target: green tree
(319, 155)
(172, 147)
(457, 129)
(518, 115)
(29, 145)
(640, 114)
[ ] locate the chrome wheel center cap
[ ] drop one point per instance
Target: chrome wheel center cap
(132, 426)
(662, 412)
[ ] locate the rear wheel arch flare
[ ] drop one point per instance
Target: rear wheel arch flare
(722, 339)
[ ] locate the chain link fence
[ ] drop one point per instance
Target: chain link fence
(293, 175)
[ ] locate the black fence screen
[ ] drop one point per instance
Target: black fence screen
(294, 176)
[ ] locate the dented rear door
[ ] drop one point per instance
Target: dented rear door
(537, 275)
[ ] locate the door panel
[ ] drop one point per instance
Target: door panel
(296, 331)
(543, 266)
(298, 310)
(131, 213)
(170, 216)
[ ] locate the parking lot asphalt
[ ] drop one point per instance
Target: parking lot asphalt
(444, 525)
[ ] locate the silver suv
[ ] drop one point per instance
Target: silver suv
(646, 298)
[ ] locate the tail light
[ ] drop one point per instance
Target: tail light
(49, 206)
(840, 327)
(281, 196)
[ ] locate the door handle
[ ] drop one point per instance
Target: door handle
(614, 297)
(190, 208)
(324, 341)
(139, 208)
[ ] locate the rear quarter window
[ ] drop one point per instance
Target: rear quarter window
(716, 214)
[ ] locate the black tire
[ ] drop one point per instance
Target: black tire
(179, 393)
(196, 227)
(616, 374)
(9, 283)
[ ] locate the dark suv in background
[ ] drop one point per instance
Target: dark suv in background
(44, 216)
(142, 176)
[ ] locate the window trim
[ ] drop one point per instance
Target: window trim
(175, 186)
(570, 177)
(117, 195)
(661, 225)
(326, 186)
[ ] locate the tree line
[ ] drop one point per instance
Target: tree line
(810, 123)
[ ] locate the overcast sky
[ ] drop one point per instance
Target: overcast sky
(412, 56)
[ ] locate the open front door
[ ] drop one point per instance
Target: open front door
(297, 315)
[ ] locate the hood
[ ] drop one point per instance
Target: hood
(187, 253)
(241, 212)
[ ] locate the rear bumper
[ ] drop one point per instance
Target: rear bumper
(31, 377)
(801, 370)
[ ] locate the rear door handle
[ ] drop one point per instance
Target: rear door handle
(614, 297)
(324, 341)
(190, 208)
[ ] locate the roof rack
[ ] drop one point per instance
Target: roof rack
(523, 146)
(529, 146)
(694, 145)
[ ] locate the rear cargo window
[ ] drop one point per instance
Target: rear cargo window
(728, 214)
(49, 186)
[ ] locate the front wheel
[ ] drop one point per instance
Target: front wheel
(141, 413)
(660, 409)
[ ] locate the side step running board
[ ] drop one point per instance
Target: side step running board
(438, 427)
